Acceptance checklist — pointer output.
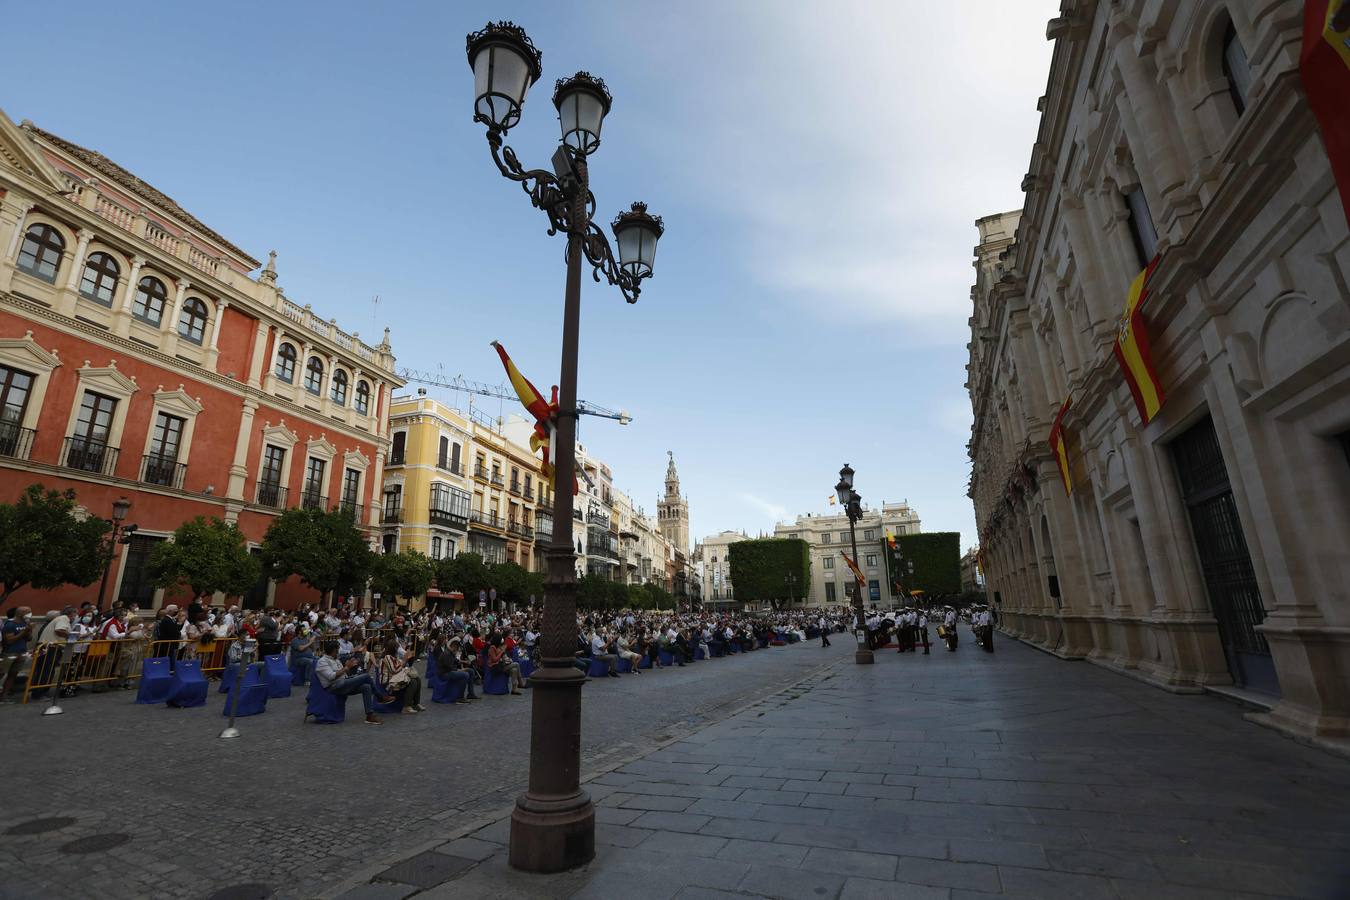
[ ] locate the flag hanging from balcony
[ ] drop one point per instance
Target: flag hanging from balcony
(1060, 447)
(545, 413)
(857, 573)
(1132, 349)
(1324, 67)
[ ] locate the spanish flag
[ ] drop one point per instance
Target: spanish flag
(857, 573)
(545, 415)
(529, 395)
(1132, 351)
(1060, 447)
(1324, 68)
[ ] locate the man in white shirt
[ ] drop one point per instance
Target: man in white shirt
(600, 651)
(824, 628)
(949, 629)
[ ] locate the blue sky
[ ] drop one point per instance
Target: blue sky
(819, 168)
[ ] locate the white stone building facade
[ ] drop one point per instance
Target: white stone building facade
(831, 581)
(1207, 547)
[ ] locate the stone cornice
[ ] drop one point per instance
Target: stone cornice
(36, 311)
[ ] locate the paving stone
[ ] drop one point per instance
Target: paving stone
(869, 889)
(681, 844)
(973, 876)
(381, 891)
(753, 781)
(791, 884)
(814, 787)
(611, 815)
(748, 829)
(850, 862)
(1094, 861)
(773, 798)
(620, 835)
(658, 802)
(762, 852)
(425, 869)
(1045, 883)
(1008, 853)
(671, 821)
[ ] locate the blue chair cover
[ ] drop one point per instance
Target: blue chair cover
(189, 685)
(598, 669)
(396, 706)
(227, 676)
(645, 662)
(624, 666)
(300, 669)
(526, 666)
(667, 658)
(492, 682)
(717, 648)
(278, 677)
(252, 695)
(764, 640)
(326, 708)
(156, 681)
(698, 652)
(443, 691)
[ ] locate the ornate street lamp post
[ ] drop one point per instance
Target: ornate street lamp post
(120, 534)
(553, 825)
(851, 501)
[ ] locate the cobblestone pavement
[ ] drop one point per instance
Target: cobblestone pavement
(948, 776)
(303, 807)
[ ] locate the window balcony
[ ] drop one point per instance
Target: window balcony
(16, 442)
(497, 480)
(447, 518)
(310, 498)
(446, 465)
(480, 473)
(357, 510)
(515, 488)
(89, 456)
(487, 520)
(395, 459)
(163, 470)
(391, 515)
(529, 493)
(270, 495)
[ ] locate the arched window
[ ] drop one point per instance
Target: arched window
(363, 398)
(314, 375)
(286, 363)
(40, 255)
(339, 389)
(100, 278)
(151, 295)
(192, 320)
(1236, 69)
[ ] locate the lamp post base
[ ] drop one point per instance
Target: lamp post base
(552, 835)
(863, 657)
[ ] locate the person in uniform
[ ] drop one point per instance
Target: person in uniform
(949, 629)
(921, 630)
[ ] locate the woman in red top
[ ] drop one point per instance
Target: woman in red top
(499, 662)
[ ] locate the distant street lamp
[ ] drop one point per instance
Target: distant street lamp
(553, 824)
(851, 501)
(121, 534)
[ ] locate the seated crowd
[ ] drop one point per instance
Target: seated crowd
(353, 651)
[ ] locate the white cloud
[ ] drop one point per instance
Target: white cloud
(774, 512)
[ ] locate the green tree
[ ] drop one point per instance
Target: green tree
(466, 573)
(206, 555)
(407, 575)
(618, 595)
(44, 546)
(324, 549)
(509, 580)
(592, 592)
(760, 569)
(534, 587)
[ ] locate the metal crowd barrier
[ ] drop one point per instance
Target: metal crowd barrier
(100, 664)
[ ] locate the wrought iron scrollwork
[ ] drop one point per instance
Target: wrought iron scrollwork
(601, 257)
(541, 186)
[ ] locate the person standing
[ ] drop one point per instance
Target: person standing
(14, 637)
(921, 630)
(824, 632)
(949, 629)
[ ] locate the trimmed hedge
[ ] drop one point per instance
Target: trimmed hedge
(759, 567)
(937, 562)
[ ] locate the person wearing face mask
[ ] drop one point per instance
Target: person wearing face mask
(14, 637)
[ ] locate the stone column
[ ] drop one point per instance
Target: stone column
(65, 300)
(169, 327)
(239, 466)
(212, 350)
(14, 211)
(258, 366)
(1145, 119)
(122, 308)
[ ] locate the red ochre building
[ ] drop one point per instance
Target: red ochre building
(139, 358)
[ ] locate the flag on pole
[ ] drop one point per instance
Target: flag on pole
(1059, 446)
(857, 573)
(1324, 68)
(545, 414)
(833, 500)
(1132, 350)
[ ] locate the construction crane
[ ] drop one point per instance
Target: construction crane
(502, 392)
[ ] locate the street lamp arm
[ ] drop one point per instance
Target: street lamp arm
(601, 257)
(541, 186)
